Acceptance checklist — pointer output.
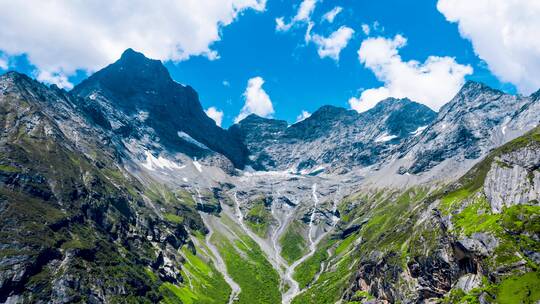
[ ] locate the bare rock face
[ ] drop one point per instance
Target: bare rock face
(513, 179)
(140, 99)
(332, 139)
(475, 121)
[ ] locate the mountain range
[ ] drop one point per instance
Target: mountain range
(124, 190)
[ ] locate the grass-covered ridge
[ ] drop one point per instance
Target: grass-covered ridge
(203, 284)
(259, 217)
(293, 244)
(398, 229)
(248, 266)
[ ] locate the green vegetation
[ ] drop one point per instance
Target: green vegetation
(519, 289)
(293, 245)
(361, 295)
(476, 217)
(346, 243)
(330, 284)
(248, 266)
(173, 218)
(305, 272)
(10, 169)
(258, 218)
(202, 283)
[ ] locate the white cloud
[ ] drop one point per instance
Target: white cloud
(281, 26)
(331, 15)
(504, 33)
(58, 79)
(305, 10)
(332, 45)
(215, 114)
(432, 83)
(377, 26)
(4, 64)
(366, 29)
(61, 37)
(303, 115)
(303, 15)
(307, 36)
(257, 101)
(226, 83)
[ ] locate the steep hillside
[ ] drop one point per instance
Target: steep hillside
(474, 241)
(75, 226)
(143, 102)
(332, 138)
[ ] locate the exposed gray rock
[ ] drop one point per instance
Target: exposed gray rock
(468, 282)
(139, 98)
(332, 139)
(482, 244)
(513, 179)
(475, 121)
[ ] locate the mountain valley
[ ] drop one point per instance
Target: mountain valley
(123, 190)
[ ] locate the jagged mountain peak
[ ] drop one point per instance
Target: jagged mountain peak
(472, 89)
(136, 86)
(477, 119)
(12, 78)
(135, 74)
(330, 109)
(390, 105)
(254, 118)
(135, 62)
(535, 95)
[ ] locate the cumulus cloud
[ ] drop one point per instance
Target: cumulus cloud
(432, 83)
(366, 29)
(504, 33)
(257, 100)
(331, 15)
(332, 45)
(307, 36)
(303, 115)
(61, 37)
(215, 114)
(58, 79)
(303, 15)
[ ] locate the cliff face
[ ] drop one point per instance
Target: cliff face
(141, 100)
(475, 239)
(514, 179)
(75, 226)
(332, 138)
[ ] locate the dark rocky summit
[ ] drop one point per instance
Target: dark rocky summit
(332, 137)
(136, 91)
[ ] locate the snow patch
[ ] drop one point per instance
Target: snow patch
(285, 173)
(313, 171)
(191, 140)
(153, 163)
(419, 130)
(142, 116)
(385, 137)
(197, 165)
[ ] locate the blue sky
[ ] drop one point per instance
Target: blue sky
(296, 78)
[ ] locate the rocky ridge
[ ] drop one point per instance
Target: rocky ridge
(123, 188)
